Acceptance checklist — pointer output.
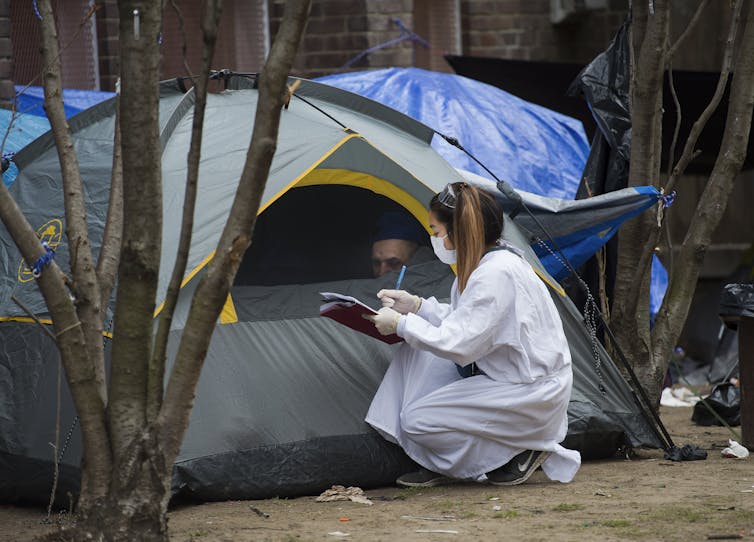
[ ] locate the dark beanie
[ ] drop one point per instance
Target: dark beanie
(398, 225)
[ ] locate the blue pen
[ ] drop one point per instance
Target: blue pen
(400, 277)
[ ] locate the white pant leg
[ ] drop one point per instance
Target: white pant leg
(412, 375)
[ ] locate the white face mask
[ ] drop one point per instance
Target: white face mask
(443, 254)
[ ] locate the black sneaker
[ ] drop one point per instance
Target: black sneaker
(519, 469)
(423, 478)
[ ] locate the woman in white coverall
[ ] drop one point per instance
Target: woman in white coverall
(479, 390)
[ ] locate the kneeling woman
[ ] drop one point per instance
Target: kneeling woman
(502, 328)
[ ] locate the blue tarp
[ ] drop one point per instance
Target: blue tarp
(531, 147)
(30, 122)
(30, 100)
(19, 130)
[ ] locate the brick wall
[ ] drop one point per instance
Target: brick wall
(522, 30)
(339, 31)
(336, 32)
(107, 42)
(6, 57)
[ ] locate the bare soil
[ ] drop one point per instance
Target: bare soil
(642, 498)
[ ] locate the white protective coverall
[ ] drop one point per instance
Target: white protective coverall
(506, 322)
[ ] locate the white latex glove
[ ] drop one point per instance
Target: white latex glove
(386, 320)
(400, 300)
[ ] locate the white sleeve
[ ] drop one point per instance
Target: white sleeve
(485, 309)
(433, 311)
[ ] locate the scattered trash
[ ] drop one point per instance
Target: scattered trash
(339, 534)
(721, 508)
(340, 493)
(678, 397)
(428, 518)
(497, 508)
(441, 531)
(602, 494)
(735, 450)
(343, 520)
(258, 512)
(687, 453)
(721, 407)
(494, 498)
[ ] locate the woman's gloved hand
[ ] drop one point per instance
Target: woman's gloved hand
(400, 300)
(386, 320)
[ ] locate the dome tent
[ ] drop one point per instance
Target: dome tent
(280, 404)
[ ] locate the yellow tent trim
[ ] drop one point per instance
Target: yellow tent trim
(46, 321)
(554, 285)
(25, 319)
(228, 314)
(262, 208)
(369, 182)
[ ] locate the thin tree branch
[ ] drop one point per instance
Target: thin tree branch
(210, 23)
(689, 27)
(34, 317)
(109, 255)
(722, 82)
(184, 41)
(215, 284)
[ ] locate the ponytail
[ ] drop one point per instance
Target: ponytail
(474, 223)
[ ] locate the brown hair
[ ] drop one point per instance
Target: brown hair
(474, 221)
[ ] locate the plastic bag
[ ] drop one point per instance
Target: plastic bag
(737, 300)
(725, 400)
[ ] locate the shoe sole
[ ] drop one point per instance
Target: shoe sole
(532, 468)
(430, 483)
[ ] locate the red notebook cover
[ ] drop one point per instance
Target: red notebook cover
(348, 311)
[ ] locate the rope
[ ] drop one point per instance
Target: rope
(69, 328)
(43, 261)
(665, 201)
(36, 9)
(406, 35)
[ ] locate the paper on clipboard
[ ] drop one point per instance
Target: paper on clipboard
(349, 311)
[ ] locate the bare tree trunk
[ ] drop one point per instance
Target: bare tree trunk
(631, 292)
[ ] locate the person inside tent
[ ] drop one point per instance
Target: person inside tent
(480, 388)
(397, 241)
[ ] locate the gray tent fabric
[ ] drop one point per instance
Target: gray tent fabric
(281, 401)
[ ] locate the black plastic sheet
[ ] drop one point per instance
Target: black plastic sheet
(725, 400)
(736, 301)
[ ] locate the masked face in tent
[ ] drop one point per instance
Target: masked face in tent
(441, 242)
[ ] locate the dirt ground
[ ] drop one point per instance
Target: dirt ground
(644, 498)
